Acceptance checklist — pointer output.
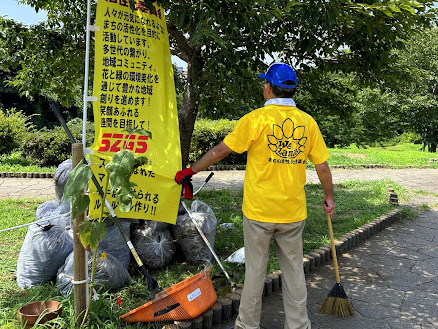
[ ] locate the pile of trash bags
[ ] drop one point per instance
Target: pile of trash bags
(157, 243)
(47, 251)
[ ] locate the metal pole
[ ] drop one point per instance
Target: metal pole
(80, 284)
(87, 61)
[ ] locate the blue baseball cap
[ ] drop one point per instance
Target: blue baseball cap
(279, 74)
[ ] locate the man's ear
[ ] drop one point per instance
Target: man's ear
(268, 89)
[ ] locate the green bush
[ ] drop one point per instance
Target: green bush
(49, 147)
(208, 133)
(14, 126)
(410, 138)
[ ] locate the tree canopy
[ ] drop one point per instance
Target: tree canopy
(418, 101)
(226, 42)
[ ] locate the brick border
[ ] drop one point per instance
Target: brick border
(26, 175)
(221, 167)
(224, 308)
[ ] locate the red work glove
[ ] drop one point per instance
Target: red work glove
(179, 176)
(184, 177)
(188, 187)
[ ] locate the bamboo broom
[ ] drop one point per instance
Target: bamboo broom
(336, 303)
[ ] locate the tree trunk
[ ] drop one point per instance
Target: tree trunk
(432, 147)
(190, 106)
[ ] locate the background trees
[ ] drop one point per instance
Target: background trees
(418, 90)
(226, 43)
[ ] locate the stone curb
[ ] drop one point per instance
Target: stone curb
(221, 167)
(26, 175)
(225, 308)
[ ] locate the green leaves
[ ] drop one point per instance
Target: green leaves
(79, 203)
(77, 180)
(124, 197)
(139, 131)
(120, 169)
(91, 233)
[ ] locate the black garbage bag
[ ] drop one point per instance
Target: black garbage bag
(155, 248)
(187, 236)
(156, 226)
(54, 210)
(115, 244)
(61, 176)
(44, 250)
(110, 273)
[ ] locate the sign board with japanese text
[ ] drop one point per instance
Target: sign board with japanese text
(134, 86)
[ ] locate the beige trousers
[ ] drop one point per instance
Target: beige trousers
(289, 248)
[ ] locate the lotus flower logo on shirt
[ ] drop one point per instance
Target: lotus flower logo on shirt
(287, 141)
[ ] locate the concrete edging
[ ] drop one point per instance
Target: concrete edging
(26, 175)
(219, 167)
(225, 308)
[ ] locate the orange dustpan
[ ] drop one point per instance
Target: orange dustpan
(182, 301)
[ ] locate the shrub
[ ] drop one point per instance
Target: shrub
(14, 126)
(410, 138)
(208, 133)
(49, 147)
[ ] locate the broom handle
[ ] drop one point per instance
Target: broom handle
(332, 242)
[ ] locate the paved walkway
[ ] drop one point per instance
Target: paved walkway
(391, 280)
(412, 179)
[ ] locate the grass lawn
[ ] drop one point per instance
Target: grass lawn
(397, 156)
(357, 203)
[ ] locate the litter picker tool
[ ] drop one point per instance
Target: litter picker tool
(232, 283)
(336, 303)
(152, 283)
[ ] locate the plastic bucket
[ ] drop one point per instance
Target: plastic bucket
(182, 301)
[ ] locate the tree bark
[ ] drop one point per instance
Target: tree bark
(190, 105)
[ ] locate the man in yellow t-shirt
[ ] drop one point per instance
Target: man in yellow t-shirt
(279, 138)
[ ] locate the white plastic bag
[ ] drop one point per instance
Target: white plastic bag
(237, 257)
(187, 236)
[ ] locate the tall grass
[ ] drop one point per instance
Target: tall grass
(356, 203)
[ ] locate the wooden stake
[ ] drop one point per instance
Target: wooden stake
(80, 290)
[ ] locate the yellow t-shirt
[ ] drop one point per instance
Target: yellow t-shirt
(278, 139)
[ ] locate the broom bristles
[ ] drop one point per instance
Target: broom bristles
(337, 303)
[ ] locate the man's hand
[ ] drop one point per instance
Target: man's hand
(179, 176)
(329, 206)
